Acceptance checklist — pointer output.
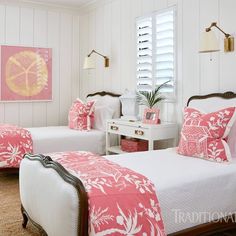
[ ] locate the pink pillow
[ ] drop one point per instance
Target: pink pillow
(203, 135)
(81, 115)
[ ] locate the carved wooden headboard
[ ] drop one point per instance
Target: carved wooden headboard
(226, 95)
(103, 93)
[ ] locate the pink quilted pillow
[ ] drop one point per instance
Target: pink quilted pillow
(203, 135)
(81, 115)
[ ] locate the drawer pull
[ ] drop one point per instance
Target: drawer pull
(114, 128)
(139, 132)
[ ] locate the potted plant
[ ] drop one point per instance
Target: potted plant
(150, 99)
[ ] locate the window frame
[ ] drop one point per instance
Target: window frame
(170, 97)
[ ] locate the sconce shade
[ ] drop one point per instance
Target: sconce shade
(209, 42)
(89, 63)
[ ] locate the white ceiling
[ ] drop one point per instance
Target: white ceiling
(71, 3)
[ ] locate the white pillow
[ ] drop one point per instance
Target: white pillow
(101, 115)
(232, 140)
(111, 102)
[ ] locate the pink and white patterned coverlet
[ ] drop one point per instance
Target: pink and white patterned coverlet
(121, 201)
(14, 143)
(203, 135)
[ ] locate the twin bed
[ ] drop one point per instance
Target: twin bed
(55, 200)
(62, 138)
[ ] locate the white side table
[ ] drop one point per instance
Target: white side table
(139, 130)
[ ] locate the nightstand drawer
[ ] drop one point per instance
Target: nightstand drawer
(128, 130)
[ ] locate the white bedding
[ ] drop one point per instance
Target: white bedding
(61, 138)
(185, 184)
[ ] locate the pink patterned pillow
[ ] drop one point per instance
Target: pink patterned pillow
(81, 115)
(203, 135)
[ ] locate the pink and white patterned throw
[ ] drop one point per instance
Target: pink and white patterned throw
(203, 135)
(81, 115)
(121, 201)
(14, 143)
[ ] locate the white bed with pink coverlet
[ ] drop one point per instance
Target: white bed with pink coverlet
(16, 141)
(191, 192)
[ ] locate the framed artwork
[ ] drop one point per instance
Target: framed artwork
(151, 116)
(26, 73)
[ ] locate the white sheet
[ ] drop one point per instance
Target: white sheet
(186, 184)
(61, 138)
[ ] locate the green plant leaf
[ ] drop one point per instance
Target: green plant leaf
(150, 99)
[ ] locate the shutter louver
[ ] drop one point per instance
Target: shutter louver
(165, 51)
(144, 54)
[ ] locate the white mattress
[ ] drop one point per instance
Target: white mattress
(62, 138)
(185, 184)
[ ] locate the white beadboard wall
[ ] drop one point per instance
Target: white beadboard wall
(110, 29)
(40, 26)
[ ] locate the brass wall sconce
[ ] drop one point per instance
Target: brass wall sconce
(89, 62)
(209, 42)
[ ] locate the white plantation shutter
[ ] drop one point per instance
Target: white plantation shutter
(159, 65)
(165, 50)
(144, 53)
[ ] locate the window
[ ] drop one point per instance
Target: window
(156, 51)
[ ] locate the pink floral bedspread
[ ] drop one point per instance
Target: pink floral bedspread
(14, 143)
(121, 201)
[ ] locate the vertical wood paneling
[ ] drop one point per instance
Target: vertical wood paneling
(53, 107)
(107, 45)
(42, 27)
(116, 46)
(91, 79)
(83, 51)
(65, 66)
(147, 6)
(209, 74)
(160, 4)
(75, 59)
(125, 47)
(26, 38)
(12, 38)
(99, 79)
(179, 63)
(190, 48)
(227, 18)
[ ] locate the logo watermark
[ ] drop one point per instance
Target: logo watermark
(199, 217)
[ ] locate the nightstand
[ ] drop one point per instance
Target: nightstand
(139, 130)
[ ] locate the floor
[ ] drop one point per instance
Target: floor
(10, 214)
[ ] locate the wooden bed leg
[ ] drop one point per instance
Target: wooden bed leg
(25, 217)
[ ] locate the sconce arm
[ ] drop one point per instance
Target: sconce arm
(93, 51)
(214, 24)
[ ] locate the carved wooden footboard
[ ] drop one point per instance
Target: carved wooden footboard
(47, 162)
(224, 227)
